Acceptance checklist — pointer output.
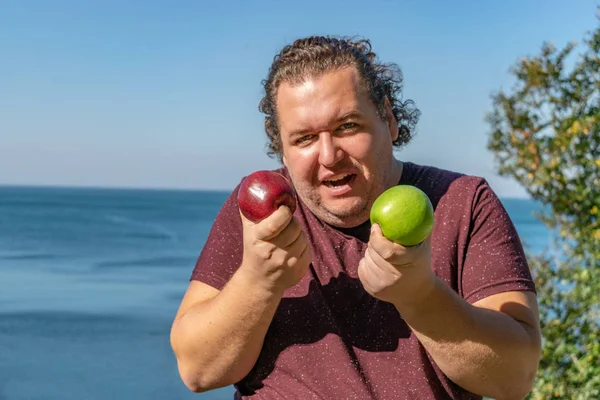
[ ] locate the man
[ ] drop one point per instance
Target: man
(319, 304)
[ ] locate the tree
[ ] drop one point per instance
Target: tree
(545, 133)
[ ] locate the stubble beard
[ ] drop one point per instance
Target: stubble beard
(356, 213)
(349, 216)
(360, 211)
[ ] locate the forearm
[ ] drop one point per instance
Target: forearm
(484, 351)
(218, 342)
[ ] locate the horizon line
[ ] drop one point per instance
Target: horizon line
(153, 188)
(111, 187)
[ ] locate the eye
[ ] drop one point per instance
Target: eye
(348, 126)
(303, 139)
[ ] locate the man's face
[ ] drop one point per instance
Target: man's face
(337, 149)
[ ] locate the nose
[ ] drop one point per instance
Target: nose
(329, 151)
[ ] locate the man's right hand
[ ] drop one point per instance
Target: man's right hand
(276, 251)
(217, 336)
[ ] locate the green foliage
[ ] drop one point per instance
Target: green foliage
(545, 133)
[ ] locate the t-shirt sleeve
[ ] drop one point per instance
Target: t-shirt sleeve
(222, 252)
(495, 261)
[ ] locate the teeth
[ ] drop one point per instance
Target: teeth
(336, 178)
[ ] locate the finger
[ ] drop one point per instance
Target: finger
(378, 266)
(272, 226)
(297, 247)
(360, 270)
(245, 221)
(376, 238)
(289, 234)
(385, 248)
(363, 275)
(305, 257)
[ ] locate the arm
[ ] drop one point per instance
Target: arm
(491, 348)
(217, 336)
(487, 340)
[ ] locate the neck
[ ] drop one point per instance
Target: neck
(395, 174)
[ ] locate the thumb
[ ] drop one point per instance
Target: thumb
(271, 226)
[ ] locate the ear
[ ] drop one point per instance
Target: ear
(391, 119)
(284, 161)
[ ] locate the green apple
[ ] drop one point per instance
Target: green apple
(405, 215)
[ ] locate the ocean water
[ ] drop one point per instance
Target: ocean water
(90, 280)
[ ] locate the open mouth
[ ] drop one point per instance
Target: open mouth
(339, 181)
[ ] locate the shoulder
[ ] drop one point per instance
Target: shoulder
(443, 185)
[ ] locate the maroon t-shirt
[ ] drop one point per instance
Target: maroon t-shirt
(329, 338)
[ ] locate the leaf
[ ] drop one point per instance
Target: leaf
(545, 134)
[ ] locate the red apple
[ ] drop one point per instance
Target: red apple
(262, 192)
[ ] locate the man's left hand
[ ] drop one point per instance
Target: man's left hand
(394, 273)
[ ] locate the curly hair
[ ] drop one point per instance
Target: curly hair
(316, 55)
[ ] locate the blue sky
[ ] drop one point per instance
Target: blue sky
(164, 94)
